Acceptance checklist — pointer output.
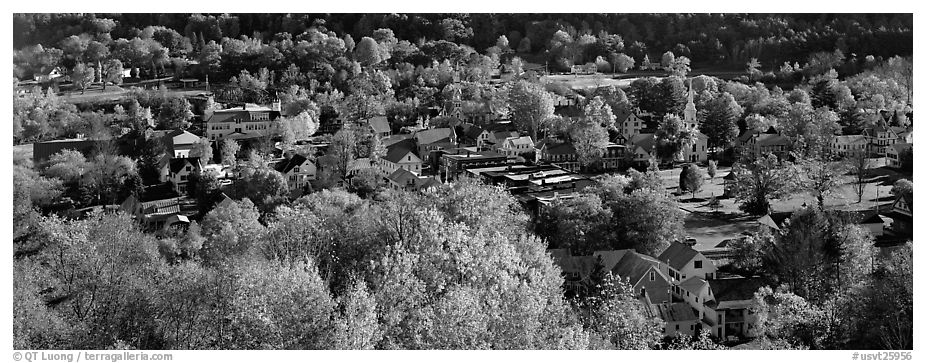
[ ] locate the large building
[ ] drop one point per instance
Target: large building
(250, 121)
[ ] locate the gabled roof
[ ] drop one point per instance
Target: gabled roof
(380, 124)
(772, 140)
(768, 221)
(431, 136)
(610, 258)
(730, 176)
(403, 177)
(429, 182)
(677, 255)
(901, 147)
(396, 152)
(395, 138)
(748, 134)
(177, 164)
(735, 289)
(907, 199)
(633, 266)
(871, 217)
(676, 312)
(694, 284)
(520, 140)
(645, 141)
(182, 137)
(286, 165)
(565, 148)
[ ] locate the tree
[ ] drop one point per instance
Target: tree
(202, 149)
(112, 73)
(691, 179)
(82, 76)
(229, 152)
(760, 181)
(789, 320)
(719, 120)
(901, 187)
(667, 60)
(617, 319)
(712, 168)
(531, 106)
(575, 224)
(357, 326)
(174, 113)
(621, 62)
(821, 176)
(680, 67)
(368, 52)
(673, 136)
(231, 230)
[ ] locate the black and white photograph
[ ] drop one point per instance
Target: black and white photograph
(418, 181)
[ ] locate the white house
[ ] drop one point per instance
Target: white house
(249, 121)
(178, 171)
(680, 262)
(849, 145)
(180, 142)
(514, 146)
(298, 171)
(399, 155)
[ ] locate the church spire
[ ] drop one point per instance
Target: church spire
(691, 113)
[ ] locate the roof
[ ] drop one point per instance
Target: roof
(735, 289)
(645, 141)
(231, 114)
(395, 138)
(182, 137)
(429, 182)
(676, 312)
(559, 149)
(397, 151)
(380, 124)
(748, 134)
(768, 221)
(677, 255)
(520, 140)
(402, 176)
(286, 165)
(730, 176)
(431, 136)
(849, 139)
(176, 218)
(693, 284)
(610, 258)
(901, 147)
(772, 140)
(177, 164)
(633, 266)
(871, 217)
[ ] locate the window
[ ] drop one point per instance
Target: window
(676, 327)
(696, 299)
(697, 264)
(652, 276)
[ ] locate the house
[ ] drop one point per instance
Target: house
(894, 152)
(53, 74)
(631, 123)
(248, 122)
(902, 215)
(434, 139)
(378, 126)
(178, 171)
(612, 157)
(641, 148)
(155, 214)
(298, 171)
(680, 262)
(849, 145)
(179, 143)
(402, 179)
(642, 272)
(767, 143)
(679, 318)
(515, 146)
(587, 68)
(880, 137)
(493, 134)
(399, 155)
(728, 310)
(905, 135)
(562, 154)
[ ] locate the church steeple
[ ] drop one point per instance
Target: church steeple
(691, 113)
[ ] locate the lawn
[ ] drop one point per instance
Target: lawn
(711, 226)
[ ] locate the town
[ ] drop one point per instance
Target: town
(462, 181)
